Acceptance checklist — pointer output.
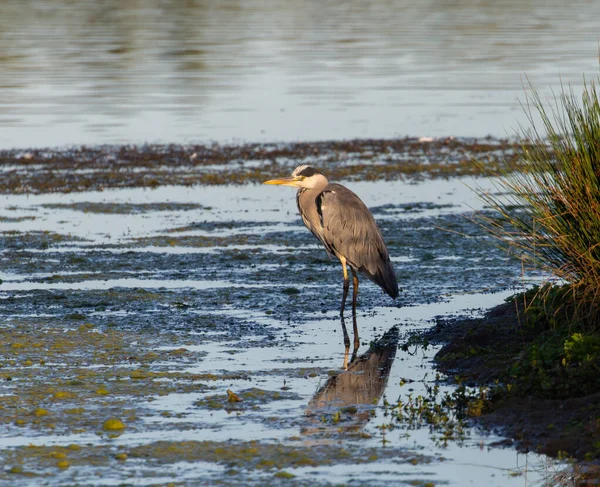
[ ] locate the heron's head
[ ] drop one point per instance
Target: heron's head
(302, 177)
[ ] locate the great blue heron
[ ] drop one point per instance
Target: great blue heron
(345, 226)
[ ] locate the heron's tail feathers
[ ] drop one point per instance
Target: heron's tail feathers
(385, 278)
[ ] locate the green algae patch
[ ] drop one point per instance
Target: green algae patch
(248, 399)
(238, 458)
(284, 475)
(39, 412)
(256, 455)
(63, 395)
(45, 461)
(113, 424)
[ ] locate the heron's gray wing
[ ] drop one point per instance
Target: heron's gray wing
(307, 206)
(349, 230)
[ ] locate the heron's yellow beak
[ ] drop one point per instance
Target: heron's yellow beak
(284, 182)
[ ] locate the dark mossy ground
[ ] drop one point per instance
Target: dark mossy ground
(97, 168)
(544, 390)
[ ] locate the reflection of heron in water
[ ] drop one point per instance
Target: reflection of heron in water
(345, 226)
(356, 391)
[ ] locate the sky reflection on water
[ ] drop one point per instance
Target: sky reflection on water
(195, 71)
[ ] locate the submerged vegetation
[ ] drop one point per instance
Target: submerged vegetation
(446, 414)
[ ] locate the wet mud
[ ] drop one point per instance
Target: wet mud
(130, 317)
(96, 168)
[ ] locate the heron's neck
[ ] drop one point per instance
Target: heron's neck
(308, 191)
(317, 184)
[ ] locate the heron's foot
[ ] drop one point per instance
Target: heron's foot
(346, 354)
(354, 354)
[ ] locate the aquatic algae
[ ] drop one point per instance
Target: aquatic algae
(64, 464)
(305, 462)
(284, 475)
(113, 424)
(62, 395)
(138, 374)
(121, 456)
(75, 411)
(232, 396)
(39, 412)
(266, 463)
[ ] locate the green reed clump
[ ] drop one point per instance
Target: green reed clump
(550, 212)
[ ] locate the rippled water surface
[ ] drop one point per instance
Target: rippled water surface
(173, 71)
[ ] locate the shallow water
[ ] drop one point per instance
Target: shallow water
(170, 71)
(164, 324)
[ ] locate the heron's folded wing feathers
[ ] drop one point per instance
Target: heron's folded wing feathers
(350, 230)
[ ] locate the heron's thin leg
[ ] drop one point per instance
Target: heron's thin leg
(346, 337)
(354, 290)
(346, 354)
(346, 285)
(354, 353)
(346, 344)
(356, 339)
(354, 296)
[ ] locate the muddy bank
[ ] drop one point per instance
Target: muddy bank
(484, 351)
(96, 168)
